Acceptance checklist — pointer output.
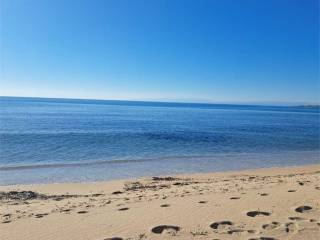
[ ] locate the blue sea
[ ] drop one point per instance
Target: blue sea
(65, 140)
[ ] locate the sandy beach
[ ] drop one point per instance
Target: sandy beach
(159, 120)
(273, 203)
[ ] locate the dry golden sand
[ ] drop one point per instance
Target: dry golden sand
(276, 203)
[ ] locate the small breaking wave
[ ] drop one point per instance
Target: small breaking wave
(92, 163)
(57, 165)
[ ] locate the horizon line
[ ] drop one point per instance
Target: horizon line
(262, 103)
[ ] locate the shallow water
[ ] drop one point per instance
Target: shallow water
(59, 140)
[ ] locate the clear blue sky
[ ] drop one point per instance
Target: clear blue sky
(251, 51)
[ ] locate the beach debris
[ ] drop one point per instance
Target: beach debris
(180, 183)
(164, 179)
(133, 186)
(30, 195)
(137, 186)
(21, 196)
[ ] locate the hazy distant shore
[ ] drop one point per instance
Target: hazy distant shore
(274, 203)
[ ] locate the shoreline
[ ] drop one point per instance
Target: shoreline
(101, 171)
(277, 202)
(273, 169)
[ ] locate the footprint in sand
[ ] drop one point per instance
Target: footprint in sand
(271, 225)
(236, 231)
(82, 212)
(257, 213)
(296, 218)
(117, 192)
(221, 225)
(123, 209)
(113, 238)
(290, 227)
(234, 198)
(303, 209)
(165, 205)
(170, 229)
(40, 215)
(264, 194)
(262, 238)
(65, 210)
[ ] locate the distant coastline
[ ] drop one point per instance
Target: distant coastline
(160, 102)
(309, 106)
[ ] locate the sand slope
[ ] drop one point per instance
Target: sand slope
(277, 203)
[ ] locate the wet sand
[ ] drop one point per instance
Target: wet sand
(265, 204)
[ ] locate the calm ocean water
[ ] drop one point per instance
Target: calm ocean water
(59, 140)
